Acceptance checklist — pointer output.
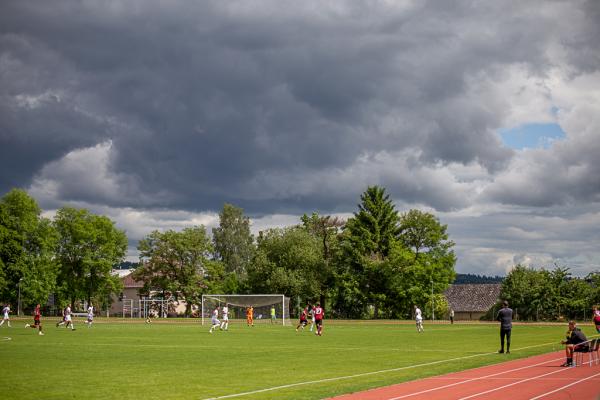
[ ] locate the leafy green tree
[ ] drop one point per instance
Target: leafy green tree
(287, 261)
(27, 243)
(547, 294)
(326, 229)
(422, 232)
(89, 246)
(178, 264)
(233, 242)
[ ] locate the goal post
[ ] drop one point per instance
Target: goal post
(238, 303)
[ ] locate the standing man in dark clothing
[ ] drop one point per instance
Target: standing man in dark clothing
(505, 317)
(575, 341)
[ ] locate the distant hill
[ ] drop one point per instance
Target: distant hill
(476, 279)
(126, 265)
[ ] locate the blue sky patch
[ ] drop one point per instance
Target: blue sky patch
(531, 136)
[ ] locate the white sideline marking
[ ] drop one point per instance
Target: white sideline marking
(228, 396)
(564, 387)
(512, 384)
(472, 379)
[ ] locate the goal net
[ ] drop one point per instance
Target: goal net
(239, 303)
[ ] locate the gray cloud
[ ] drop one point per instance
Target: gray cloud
(286, 108)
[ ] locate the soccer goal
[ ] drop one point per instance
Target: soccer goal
(239, 303)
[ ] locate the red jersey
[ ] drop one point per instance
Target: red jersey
(318, 313)
(303, 315)
(37, 314)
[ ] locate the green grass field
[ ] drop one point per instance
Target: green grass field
(183, 361)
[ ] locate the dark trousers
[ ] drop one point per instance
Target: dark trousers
(505, 332)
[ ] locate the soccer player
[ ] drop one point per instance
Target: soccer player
(214, 320)
(5, 317)
(302, 323)
(419, 320)
(311, 315)
(90, 315)
(318, 315)
(575, 342)
(595, 316)
(225, 321)
(68, 318)
(37, 316)
(63, 318)
(273, 315)
(505, 318)
(250, 316)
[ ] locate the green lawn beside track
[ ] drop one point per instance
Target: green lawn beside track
(183, 361)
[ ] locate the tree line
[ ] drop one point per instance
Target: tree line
(549, 294)
(377, 264)
(70, 257)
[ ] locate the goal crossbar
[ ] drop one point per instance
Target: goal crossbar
(260, 302)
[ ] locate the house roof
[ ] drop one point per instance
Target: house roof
(127, 279)
(473, 297)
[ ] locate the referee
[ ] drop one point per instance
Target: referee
(505, 317)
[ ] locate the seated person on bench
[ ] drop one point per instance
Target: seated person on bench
(575, 342)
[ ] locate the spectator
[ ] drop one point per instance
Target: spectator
(575, 342)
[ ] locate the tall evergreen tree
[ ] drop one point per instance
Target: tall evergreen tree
(375, 226)
(366, 243)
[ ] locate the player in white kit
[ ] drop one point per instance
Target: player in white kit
(225, 321)
(68, 320)
(90, 316)
(419, 319)
(5, 317)
(214, 320)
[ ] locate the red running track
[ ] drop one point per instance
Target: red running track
(533, 378)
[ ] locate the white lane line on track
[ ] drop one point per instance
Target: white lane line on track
(564, 387)
(338, 378)
(513, 384)
(472, 379)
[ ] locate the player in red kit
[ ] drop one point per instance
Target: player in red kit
(37, 316)
(302, 323)
(318, 315)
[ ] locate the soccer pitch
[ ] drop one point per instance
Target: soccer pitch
(167, 360)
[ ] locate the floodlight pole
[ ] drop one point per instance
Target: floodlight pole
(432, 303)
(19, 299)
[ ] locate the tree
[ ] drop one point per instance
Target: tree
(547, 294)
(27, 243)
(287, 261)
(233, 242)
(178, 264)
(367, 241)
(326, 229)
(421, 231)
(375, 226)
(89, 246)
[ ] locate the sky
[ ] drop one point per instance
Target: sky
(157, 113)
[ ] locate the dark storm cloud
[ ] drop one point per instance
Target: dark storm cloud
(213, 102)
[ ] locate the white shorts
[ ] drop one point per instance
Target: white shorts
(225, 318)
(67, 318)
(215, 321)
(420, 321)
(5, 316)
